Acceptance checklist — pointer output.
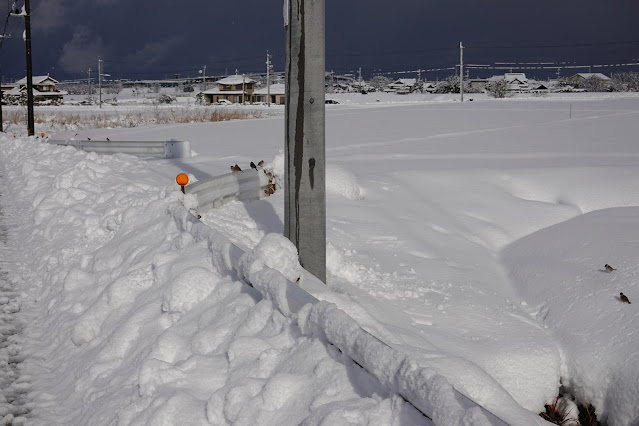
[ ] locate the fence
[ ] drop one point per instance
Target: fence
(242, 186)
(157, 149)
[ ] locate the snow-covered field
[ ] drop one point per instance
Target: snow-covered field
(471, 237)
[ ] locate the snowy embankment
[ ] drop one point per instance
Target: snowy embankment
(134, 320)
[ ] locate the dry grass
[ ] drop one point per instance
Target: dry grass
(66, 119)
(587, 416)
(559, 413)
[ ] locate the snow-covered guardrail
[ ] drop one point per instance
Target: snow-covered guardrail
(160, 149)
(242, 185)
(422, 387)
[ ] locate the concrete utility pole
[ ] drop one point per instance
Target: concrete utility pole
(305, 168)
(461, 70)
(100, 81)
(27, 41)
(89, 82)
(268, 79)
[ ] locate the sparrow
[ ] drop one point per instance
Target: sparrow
(109, 139)
(232, 168)
(609, 268)
(261, 163)
(253, 166)
(88, 139)
(624, 298)
(237, 168)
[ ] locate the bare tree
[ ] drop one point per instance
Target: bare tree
(593, 84)
(498, 88)
(379, 82)
(451, 85)
(625, 82)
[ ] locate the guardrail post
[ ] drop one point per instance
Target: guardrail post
(304, 181)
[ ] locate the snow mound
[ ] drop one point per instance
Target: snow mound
(267, 267)
(342, 182)
(560, 272)
(188, 289)
(339, 180)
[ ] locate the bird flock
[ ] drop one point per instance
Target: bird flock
(235, 168)
(622, 297)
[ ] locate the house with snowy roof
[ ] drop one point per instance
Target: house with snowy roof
(235, 89)
(516, 82)
(44, 90)
(402, 86)
(479, 84)
(578, 79)
(276, 91)
(429, 87)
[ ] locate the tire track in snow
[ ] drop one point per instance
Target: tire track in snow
(14, 408)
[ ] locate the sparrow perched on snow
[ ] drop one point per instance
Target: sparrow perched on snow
(609, 268)
(624, 298)
(253, 166)
(261, 163)
(235, 168)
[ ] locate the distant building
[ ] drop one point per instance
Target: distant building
(402, 86)
(429, 87)
(517, 82)
(537, 87)
(235, 89)
(578, 79)
(277, 92)
(478, 84)
(44, 90)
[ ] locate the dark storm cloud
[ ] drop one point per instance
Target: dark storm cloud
(158, 38)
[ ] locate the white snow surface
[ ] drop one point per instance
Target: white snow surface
(469, 237)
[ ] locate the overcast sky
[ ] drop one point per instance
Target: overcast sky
(160, 38)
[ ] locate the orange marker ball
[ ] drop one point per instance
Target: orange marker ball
(182, 179)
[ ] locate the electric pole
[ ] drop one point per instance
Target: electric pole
(461, 70)
(89, 83)
(268, 79)
(100, 81)
(1, 102)
(204, 76)
(305, 168)
(27, 41)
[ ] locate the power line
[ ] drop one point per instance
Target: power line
(611, 43)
